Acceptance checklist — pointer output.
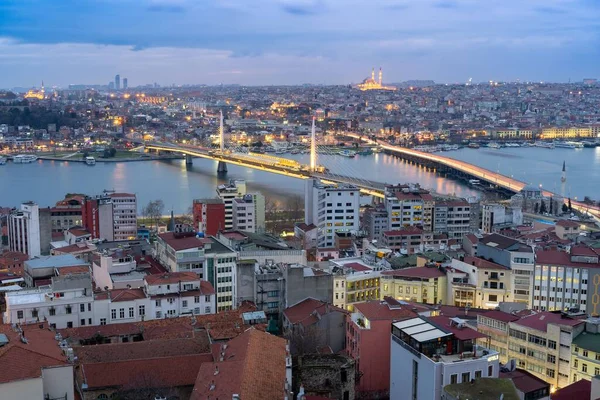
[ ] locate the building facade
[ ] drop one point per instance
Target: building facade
(24, 230)
(209, 216)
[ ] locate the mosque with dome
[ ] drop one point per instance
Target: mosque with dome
(372, 84)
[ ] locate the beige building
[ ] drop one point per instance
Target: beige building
(541, 344)
(419, 284)
(475, 282)
(566, 132)
(494, 324)
(354, 281)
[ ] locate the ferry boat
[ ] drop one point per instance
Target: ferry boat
(450, 147)
(493, 145)
(24, 158)
(347, 153)
(545, 145)
(90, 160)
(587, 143)
(568, 145)
(2, 160)
(474, 145)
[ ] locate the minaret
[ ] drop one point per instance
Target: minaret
(563, 177)
(221, 136)
(373, 74)
(313, 147)
(380, 76)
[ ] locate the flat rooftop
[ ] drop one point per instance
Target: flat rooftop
(483, 389)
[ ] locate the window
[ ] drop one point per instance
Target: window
(34, 313)
(493, 297)
(142, 310)
(131, 312)
(207, 310)
(585, 353)
(157, 303)
(113, 313)
(68, 309)
(596, 371)
(453, 379)
(549, 373)
(102, 321)
(82, 322)
(466, 377)
(196, 299)
(102, 396)
(69, 324)
(207, 299)
(52, 311)
(158, 314)
(20, 314)
(90, 307)
(121, 313)
(414, 290)
(82, 308)
(490, 370)
(551, 344)
(576, 364)
(551, 358)
(478, 374)
(583, 367)
(184, 303)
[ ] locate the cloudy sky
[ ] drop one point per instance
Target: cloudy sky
(296, 41)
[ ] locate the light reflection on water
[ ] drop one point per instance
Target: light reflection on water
(177, 184)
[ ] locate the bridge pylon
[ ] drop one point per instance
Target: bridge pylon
(188, 159)
(222, 166)
(313, 147)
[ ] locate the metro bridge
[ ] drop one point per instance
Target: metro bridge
(462, 168)
(268, 163)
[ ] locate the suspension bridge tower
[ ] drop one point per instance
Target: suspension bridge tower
(313, 147)
(222, 166)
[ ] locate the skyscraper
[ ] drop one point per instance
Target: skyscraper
(118, 82)
(124, 83)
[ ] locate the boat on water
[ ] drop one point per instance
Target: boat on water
(2, 160)
(568, 145)
(493, 145)
(474, 145)
(89, 160)
(545, 145)
(24, 158)
(450, 147)
(512, 145)
(280, 151)
(295, 151)
(589, 144)
(347, 153)
(365, 152)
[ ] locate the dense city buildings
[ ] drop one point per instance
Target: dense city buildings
(111, 216)
(209, 215)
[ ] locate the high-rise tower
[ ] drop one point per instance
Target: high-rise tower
(117, 82)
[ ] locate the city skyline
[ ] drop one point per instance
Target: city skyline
(296, 41)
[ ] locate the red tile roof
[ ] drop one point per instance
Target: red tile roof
(78, 269)
(358, 267)
(11, 256)
(409, 230)
(416, 272)
(163, 372)
(145, 349)
(541, 320)
(524, 381)
(304, 311)
(555, 257)
(25, 360)
(253, 366)
(483, 264)
(581, 389)
(171, 278)
(181, 243)
(381, 310)
(501, 316)
(565, 223)
(466, 333)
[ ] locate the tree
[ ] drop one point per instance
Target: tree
(536, 208)
(154, 210)
(543, 209)
(565, 208)
(551, 205)
(570, 208)
(295, 205)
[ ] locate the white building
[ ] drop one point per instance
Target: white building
(429, 353)
(69, 302)
(496, 216)
(228, 193)
(24, 230)
(331, 209)
(408, 205)
(210, 259)
(244, 214)
(124, 210)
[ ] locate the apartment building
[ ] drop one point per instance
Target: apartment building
(331, 209)
(375, 222)
(368, 342)
(541, 344)
(515, 255)
(24, 230)
(409, 206)
(209, 215)
(495, 217)
(452, 218)
(567, 280)
(207, 257)
(426, 284)
(429, 353)
(475, 282)
(354, 281)
(585, 352)
(111, 216)
(494, 324)
(68, 301)
(244, 216)
(227, 193)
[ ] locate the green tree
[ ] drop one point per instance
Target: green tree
(565, 208)
(570, 207)
(536, 208)
(543, 209)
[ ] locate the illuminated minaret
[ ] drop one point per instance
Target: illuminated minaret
(373, 74)
(313, 147)
(380, 76)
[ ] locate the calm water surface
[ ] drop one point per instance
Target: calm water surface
(177, 184)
